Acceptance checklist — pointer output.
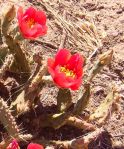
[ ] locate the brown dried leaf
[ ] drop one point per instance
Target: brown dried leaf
(104, 59)
(105, 108)
(9, 16)
(20, 104)
(79, 123)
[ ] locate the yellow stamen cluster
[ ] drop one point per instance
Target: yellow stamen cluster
(68, 73)
(31, 22)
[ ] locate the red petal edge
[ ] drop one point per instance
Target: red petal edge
(35, 146)
(62, 57)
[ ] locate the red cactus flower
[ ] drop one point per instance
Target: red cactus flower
(32, 23)
(34, 146)
(13, 145)
(66, 69)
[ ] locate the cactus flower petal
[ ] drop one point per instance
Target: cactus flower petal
(34, 146)
(66, 69)
(32, 23)
(13, 145)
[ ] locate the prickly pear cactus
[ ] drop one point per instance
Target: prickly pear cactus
(65, 71)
